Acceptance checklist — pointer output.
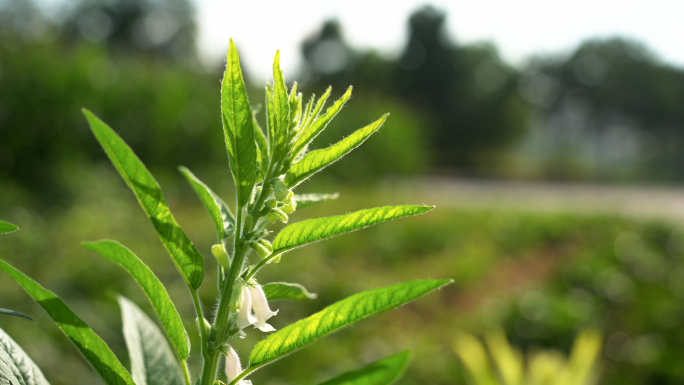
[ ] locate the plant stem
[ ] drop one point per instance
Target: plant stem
(186, 374)
(200, 321)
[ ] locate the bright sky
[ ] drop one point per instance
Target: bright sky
(519, 28)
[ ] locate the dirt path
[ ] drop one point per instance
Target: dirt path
(646, 201)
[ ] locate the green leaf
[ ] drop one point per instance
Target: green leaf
(91, 346)
(6, 227)
(185, 256)
(154, 290)
(317, 110)
(317, 160)
(152, 361)
(337, 316)
(220, 213)
(313, 230)
(262, 147)
(237, 127)
(14, 313)
(306, 200)
(310, 132)
(16, 366)
(281, 111)
(284, 290)
(381, 372)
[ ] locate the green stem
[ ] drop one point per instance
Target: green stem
(186, 373)
(200, 321)
(221, 322)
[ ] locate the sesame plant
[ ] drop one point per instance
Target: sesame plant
(266, 165)
(496, 362)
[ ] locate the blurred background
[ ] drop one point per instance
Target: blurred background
(548, 138)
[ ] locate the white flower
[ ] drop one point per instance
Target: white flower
(233, 368)
(245, 317)
(261, 309)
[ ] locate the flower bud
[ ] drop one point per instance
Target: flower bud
(288, 209)
(205, 324)
(271, 217)
(275, 259)
(266, 244)
(280, 191)
(249, 221)
(260, 249)
(280, 214)
(271, 203)
(219, 252)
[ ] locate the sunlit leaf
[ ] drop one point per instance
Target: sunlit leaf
(317, 160)
(306, 200)
(6, 227)
(310, 132)
(337, 316)
(153, 288)
(237, 127)
(220, 213)
(381, 372)
(152, 360)
(312, 230)
(16, 366)
(262, 148)
(284, 290)
(185, 256)
(281, 111)
(91, 346)
(14, 313)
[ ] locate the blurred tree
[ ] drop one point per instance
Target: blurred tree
(159, 27)
(469, 91)
(616, 99)
(328, 58)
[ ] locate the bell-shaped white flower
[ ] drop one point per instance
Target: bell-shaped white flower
(233, 367)
(245, 317)
(261, 309)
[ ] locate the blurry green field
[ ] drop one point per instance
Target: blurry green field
(542, 276)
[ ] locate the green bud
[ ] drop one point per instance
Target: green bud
(271, 217)
(260, 249)
(249, 221)
(266, 244)
(272, 203)
(275, 259)
(205, 324)
(280, 214)
(288, 209)
(219, 252)
(280, 190)
(236, 296)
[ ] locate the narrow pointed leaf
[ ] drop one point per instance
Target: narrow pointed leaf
(6, 227)
(313, 230)
(319, 106)
(154, 290)
(220, 213)
(284, 290)
(281, 111)
(318, 125)
(306, 200)
(317, 160)
(337, 316)
(15, 313)
(270, 120)
(262, 148)
(381, 372)
(185, 256)
(237, 127)
(91, 346)
(152, 360)
(16, 366)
